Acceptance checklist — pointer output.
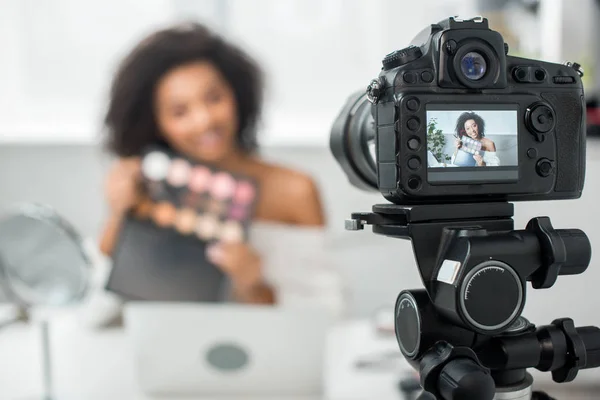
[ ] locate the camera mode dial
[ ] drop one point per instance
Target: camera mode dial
(401, 57)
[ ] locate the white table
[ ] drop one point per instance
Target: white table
(357, 341)
(98, 365)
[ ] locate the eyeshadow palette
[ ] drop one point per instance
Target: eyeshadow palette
(160, 254)
(469, 148)
(151, 263)
(194, 199)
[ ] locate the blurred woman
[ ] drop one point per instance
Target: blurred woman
(187, 88)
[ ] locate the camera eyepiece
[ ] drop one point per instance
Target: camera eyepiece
(473, 65)
(476, 65)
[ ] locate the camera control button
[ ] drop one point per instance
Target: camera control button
(576, 66)
(414, 163)
(413, 104)
(561, 80)
(414, 183)
(414, 144)
(401, 57)
(450, 46)
(413, 124)
(540, 120)
(532, 153)
(521, 74)
(427, 76)
(409, 77)
(544, 167)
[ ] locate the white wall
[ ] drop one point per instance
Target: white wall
(58, 56)
(56, 61)
(572, 34)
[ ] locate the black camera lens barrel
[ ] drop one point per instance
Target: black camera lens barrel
(348, 142)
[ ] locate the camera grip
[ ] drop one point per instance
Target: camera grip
(570, 144)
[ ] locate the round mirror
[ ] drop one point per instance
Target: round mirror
(42, 263)
(42, 258)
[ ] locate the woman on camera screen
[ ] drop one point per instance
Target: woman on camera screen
(473, 148)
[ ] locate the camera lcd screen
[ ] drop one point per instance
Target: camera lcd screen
(472, 143)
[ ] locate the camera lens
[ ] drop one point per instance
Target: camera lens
(473, 65)
(352, 142)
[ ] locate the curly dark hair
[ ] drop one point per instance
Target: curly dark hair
(464, 117)
(130, 117)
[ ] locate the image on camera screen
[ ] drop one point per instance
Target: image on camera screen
(472, 143)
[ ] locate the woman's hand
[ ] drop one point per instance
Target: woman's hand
(122, 188)
(458, 143)
(479, 160)
(243, 265)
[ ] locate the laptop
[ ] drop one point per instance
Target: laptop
(227, 350)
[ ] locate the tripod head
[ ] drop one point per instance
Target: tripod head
(464, 331)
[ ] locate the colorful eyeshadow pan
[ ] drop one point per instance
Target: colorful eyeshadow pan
(222, 186)
(164, 214)
(238, 213)
(144, 209)
(207, 226)
(231, 232)
(158, 191)
(244, 193)
(155, 166)
(179, 173)
(200, 179)
(216, 207)
(192, 200)
(185, 221)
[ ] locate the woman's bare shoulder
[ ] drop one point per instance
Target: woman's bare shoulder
(488, 144)
(289, 193)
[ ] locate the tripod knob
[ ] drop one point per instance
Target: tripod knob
(464, 379)
(455, 373)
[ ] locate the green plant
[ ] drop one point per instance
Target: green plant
(436, 141)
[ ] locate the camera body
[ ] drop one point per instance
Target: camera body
(456, 75)
(451, 132)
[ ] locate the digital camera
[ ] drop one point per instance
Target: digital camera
(453, 118)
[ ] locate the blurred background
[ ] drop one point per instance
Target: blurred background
(57, 59)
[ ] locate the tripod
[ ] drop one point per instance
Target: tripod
(464, 331)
